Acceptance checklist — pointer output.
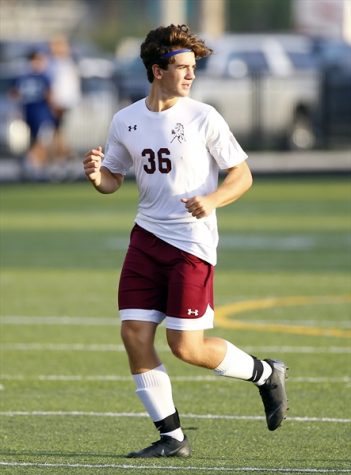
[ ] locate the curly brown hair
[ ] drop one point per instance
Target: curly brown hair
(164, 39)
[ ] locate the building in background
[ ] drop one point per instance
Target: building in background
(39, 20)
(106, 37)
(107, 21)
(331, 18)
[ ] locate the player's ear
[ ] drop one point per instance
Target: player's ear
(157, 71)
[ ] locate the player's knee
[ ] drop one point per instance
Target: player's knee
(183, 352)
(132, 336)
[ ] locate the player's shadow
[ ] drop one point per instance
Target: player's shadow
(60, 453)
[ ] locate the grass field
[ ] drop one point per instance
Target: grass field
(283, 289)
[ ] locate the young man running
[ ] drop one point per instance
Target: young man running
(177, 147)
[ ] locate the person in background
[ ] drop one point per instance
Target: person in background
(66, 91)
(33, 90)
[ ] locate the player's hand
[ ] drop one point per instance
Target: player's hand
(92, 163)
(199, 206)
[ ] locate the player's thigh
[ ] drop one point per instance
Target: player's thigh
(190, 303)
(142, 291)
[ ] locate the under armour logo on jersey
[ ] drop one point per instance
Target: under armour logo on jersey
(132, 127)
(193, 312)
(178, 133)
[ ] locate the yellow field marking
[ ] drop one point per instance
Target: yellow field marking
(224, 312)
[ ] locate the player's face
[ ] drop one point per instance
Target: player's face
(178, 77)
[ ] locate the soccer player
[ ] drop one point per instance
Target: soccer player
(177, 147)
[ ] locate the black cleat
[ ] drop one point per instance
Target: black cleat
(165, 447)
(273, 395)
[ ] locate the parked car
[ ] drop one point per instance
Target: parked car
(274, 90)
(265, 86)
(334, 62)
(130, 79)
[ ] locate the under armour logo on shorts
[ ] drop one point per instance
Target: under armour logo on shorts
(193, 312)
(132, 127)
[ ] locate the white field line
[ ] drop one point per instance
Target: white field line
(192, 379)
(15, 320)
(144, 414)
(64, 320)
(165, 468)
(63, 347)
(107, 347)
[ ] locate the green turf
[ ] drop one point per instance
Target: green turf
(61, 251)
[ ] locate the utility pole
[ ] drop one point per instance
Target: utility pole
(212, 17)
(172, 11)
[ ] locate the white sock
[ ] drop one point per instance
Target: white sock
(240, 365)
(154, 389)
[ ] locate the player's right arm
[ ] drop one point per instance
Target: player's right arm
(99, 176)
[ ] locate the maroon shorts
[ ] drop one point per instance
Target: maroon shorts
(161, 281)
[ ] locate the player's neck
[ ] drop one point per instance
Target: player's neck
(158, 102)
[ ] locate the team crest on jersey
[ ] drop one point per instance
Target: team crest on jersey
(178, 133)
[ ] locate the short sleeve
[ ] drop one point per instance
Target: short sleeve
(117, 158)
(221, 143)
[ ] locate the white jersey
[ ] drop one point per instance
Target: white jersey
(176, 153)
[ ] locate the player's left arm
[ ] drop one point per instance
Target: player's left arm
(237, 181)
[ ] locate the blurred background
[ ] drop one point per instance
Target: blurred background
(280, 76)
